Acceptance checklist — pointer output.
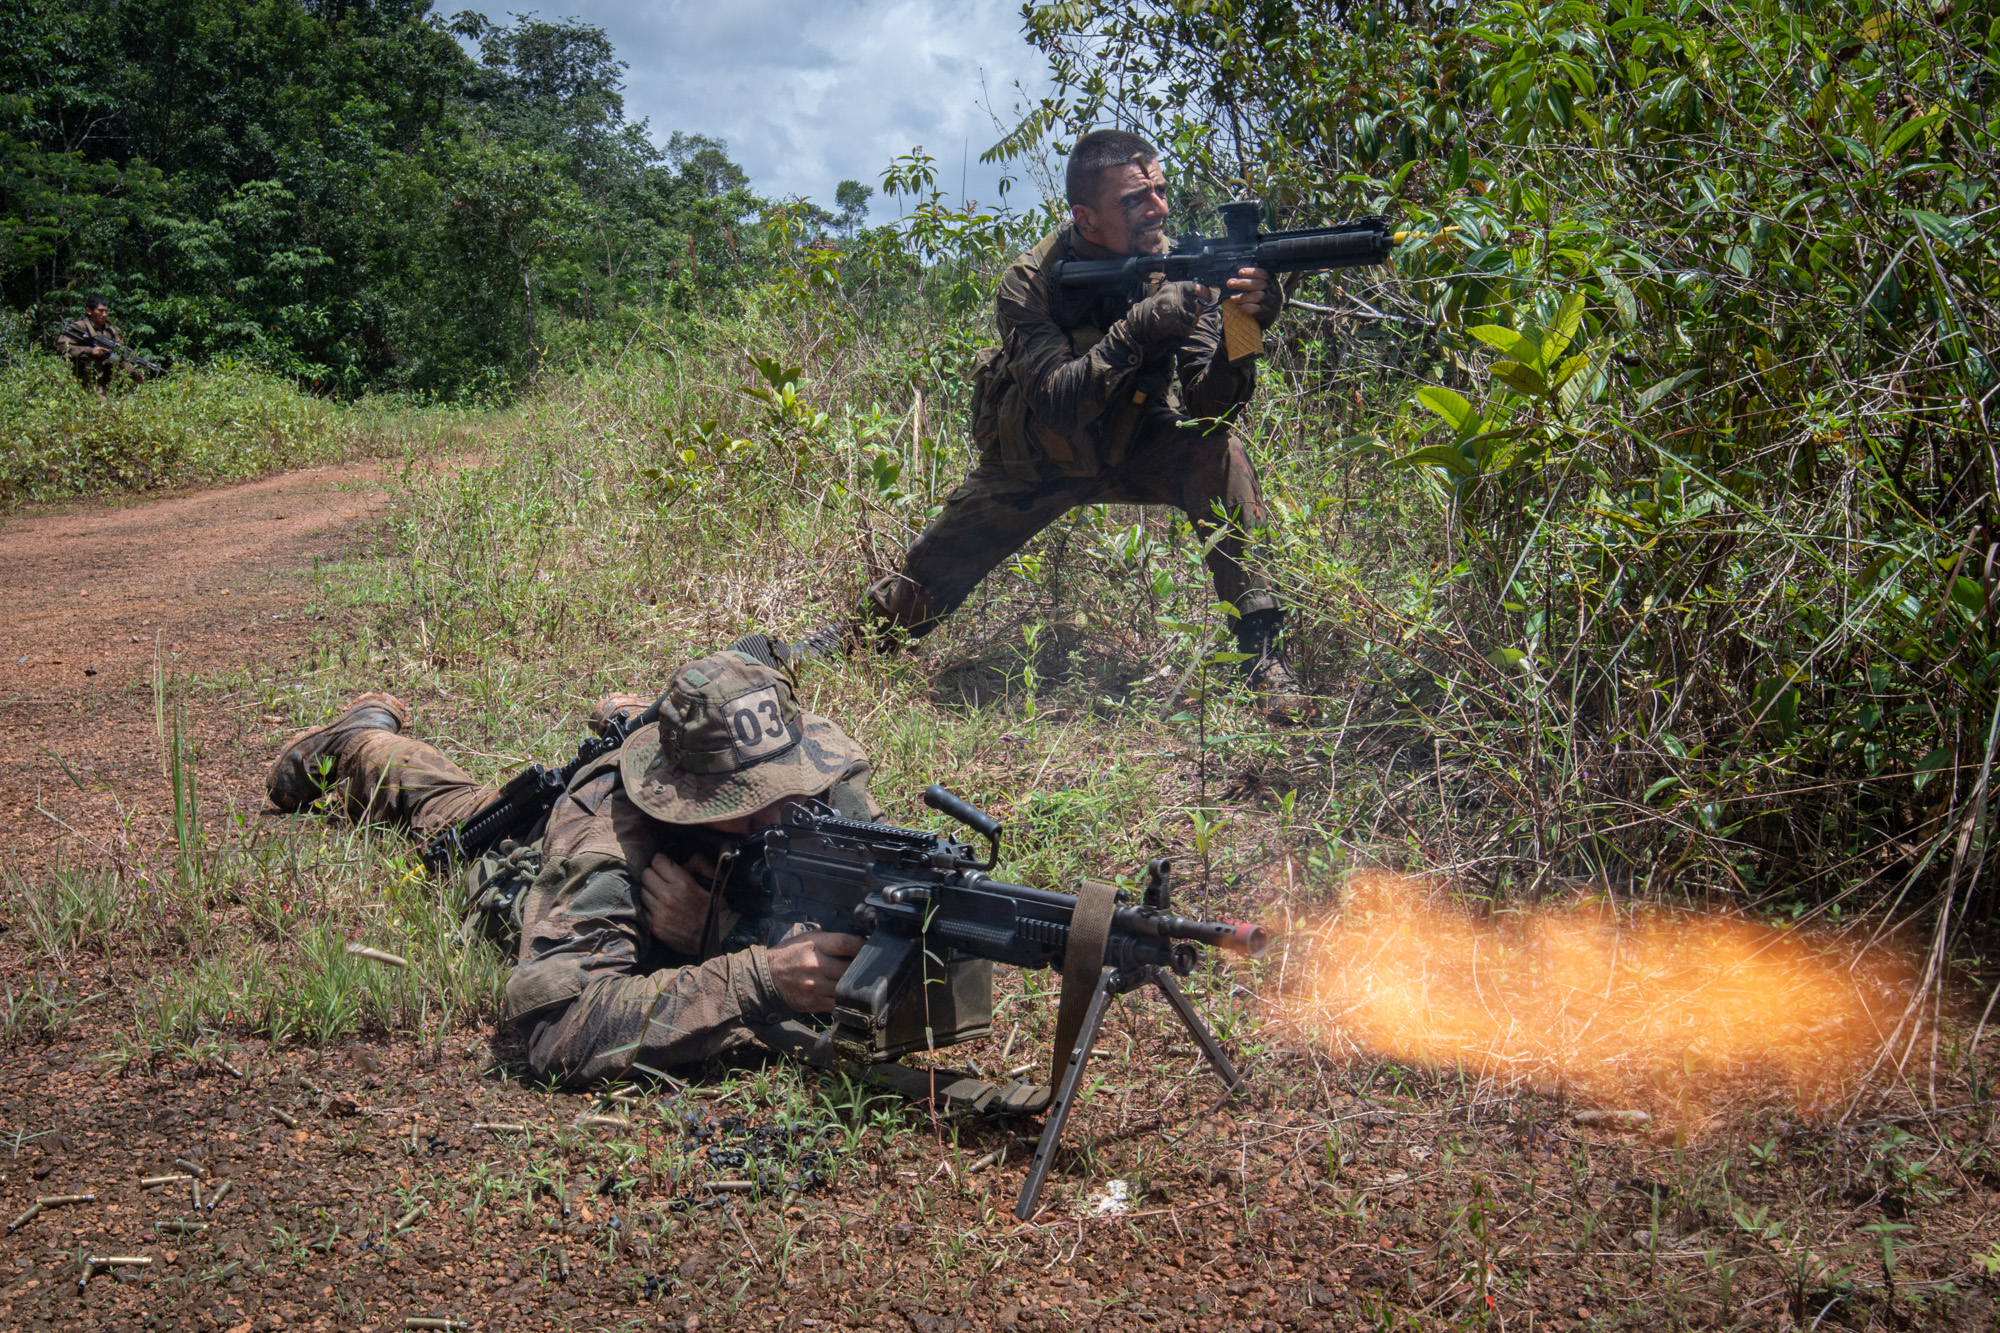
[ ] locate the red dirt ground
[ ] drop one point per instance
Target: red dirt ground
(1320, 1202)
(211, 581)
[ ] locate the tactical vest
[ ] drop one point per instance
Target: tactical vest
(1006, 432)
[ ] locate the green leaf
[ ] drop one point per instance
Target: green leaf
(1909, 130)
(1663, 388)
(1451, 406)
(1517, 345)
(1954, 232)
(1968, 594)
(1507, 657)
(1567, 321)
(1927, 767)
(1439, 455)
(1621, 296)
(1569, 368)
(1572, 384)
(1521, 379)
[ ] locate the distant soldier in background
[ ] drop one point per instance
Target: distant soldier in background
(82, 342)
(1094, 400)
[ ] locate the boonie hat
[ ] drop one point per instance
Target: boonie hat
(731, 740)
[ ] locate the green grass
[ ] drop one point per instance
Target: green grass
(199, 426)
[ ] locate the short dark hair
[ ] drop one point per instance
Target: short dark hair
(1096, 151)
(92, 301)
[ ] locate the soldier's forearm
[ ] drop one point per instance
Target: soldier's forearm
(674, 1017)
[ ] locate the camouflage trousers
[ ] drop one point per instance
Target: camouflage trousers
(386, 778)
(990, 515)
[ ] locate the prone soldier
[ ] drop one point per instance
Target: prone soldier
(627, 961)
(1101, 401)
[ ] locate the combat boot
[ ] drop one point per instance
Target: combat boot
(293, 781)
(1260, 635)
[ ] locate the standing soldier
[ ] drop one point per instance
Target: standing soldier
(1094, 401)
(93, 363)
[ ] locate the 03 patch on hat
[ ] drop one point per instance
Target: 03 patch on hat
(731, 740)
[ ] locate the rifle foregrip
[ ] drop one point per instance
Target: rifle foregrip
(1352, 249)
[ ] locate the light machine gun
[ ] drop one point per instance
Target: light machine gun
(935, 925)
(1212, 260)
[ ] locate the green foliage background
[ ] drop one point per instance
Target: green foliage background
(339, 192)
(1688, 367)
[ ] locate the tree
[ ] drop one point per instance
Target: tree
(852, 197)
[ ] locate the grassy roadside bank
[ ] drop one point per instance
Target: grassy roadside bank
(202, 426)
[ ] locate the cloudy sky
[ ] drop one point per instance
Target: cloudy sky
(812, 92)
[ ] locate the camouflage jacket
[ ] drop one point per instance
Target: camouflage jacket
(594, 994)
(1062, 385)
(74, 342)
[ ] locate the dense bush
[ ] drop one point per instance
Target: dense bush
(1689, 363)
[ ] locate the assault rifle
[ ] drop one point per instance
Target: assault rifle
(527, 797)
(120, 352)
(936, 924)
(1212, 260)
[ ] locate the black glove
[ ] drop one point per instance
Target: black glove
(1166, 316)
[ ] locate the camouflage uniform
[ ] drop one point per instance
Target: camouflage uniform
(91, 371)
(1077, 406)
(594, 993)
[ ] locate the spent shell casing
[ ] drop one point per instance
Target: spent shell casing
(123, 1260)
(285, 1118)
(181, 1228)
(58, 1200)
(83, 1278)
(217, 1197)
(500, 1129)
(377, 955)
(194, 1189)
(988, 1160)
(425, 1321)
(195, 1168)
(610, 1121)
(562, 1264)
(154, 1182)
(406, 1219)
(730, 1186)
(26, 1217)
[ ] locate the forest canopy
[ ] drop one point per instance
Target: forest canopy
(361, 194)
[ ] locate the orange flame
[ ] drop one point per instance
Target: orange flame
(1645, 1004)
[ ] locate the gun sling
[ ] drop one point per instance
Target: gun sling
(1083, 960)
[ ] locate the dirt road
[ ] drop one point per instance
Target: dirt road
(212, 582)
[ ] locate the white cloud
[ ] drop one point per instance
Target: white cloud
(810, 94)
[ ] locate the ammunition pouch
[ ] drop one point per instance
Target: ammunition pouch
(492, 892)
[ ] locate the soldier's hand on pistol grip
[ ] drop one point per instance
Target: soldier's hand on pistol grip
(676, 903)
(1254, 293)
(807, 967)
(1166, 316)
